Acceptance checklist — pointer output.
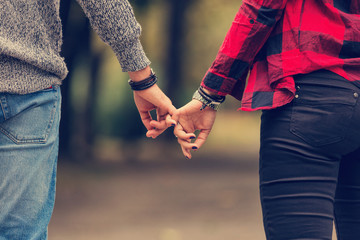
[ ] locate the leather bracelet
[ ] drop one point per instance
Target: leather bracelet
(207, 100)
(213, 98)
(143, 84)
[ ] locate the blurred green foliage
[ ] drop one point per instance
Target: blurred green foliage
(205, 24)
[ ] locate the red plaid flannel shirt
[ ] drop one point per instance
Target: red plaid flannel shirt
(276, 39)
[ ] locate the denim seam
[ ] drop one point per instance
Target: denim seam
(346, 136)
(43, 139)
(337, 225)
(4, 106)
(267, 224)
(293, 122)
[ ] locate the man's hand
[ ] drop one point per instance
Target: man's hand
(150, 99)
(190, 118)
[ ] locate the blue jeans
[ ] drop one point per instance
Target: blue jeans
(310, 162)
(29, 135)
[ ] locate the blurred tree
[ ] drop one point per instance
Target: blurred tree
(140, 4)
(76, 48)
(208, 23)
(176, 53)
(176, 48)
(70, 50)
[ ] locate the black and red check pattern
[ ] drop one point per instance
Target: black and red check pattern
(277, 39)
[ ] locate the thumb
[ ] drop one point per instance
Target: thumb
(171, 109)
(175, 115)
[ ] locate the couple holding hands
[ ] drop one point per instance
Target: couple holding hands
(296, 60)
(199, 114)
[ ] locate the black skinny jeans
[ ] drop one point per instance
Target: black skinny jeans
(310, 161)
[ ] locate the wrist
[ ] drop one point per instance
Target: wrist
(140, 74)
(143, 79)
(209, 92)
(212, 101)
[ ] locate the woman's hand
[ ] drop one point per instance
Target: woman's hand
(190, 118)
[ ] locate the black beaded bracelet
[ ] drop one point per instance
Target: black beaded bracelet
(143, 84)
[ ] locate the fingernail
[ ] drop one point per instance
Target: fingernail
(173, 124)
(187, 157)
(192, 137)
(194, 147)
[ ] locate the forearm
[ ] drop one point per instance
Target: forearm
(247, 35)
(115, 23)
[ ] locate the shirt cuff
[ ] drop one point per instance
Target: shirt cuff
(218, 84)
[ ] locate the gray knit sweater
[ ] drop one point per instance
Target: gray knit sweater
(31, 38)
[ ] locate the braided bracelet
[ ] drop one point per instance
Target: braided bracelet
(143, 84)
(207, 100)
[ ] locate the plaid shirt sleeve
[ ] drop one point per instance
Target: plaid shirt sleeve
(249, 31)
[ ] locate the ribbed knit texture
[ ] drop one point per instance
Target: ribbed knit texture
(31, 39)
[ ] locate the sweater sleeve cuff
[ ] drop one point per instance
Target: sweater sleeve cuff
(132, 58)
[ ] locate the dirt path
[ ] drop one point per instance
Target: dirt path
(208, 198)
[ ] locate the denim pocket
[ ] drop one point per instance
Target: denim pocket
(29, 118)
(321, 115)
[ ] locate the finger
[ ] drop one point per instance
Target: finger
(187, 144)
(170, 121)
(166, 104)
(158, 127)
(186, 152)
(184, 143)
(201, 139)
(159, 124)
(179, 130)
(180, 133)
(166, 115)
(146, 119)
(175, 115)
(172, 109)
(154, 133)
(185, 136)
(163, 120)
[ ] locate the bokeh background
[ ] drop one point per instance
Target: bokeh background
(113, 182)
